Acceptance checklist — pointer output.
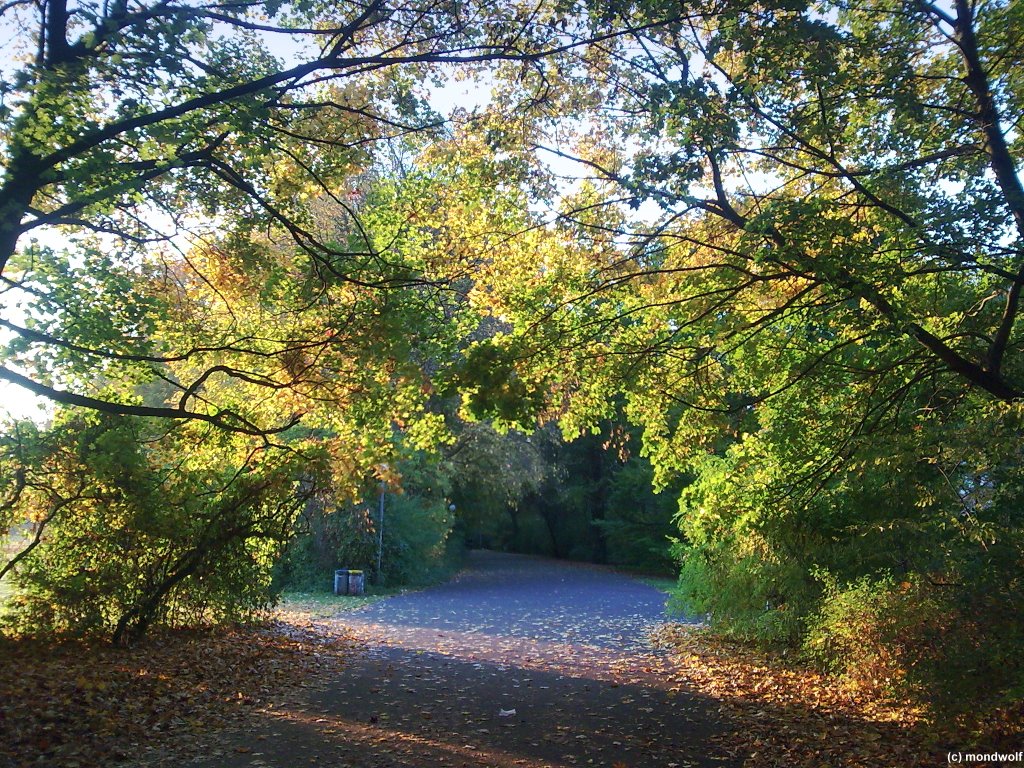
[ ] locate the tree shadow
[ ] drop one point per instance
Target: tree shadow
(406, 707)
(414, 709)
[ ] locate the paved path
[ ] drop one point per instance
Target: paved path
(517, 662)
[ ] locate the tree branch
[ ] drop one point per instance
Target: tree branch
(225, 419)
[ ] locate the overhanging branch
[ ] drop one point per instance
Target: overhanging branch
(224, 419)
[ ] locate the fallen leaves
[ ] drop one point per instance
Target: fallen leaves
(495, 687)
(73, 703)
(791, 716)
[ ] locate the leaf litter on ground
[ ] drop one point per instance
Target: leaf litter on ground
(785, 714)
(77, 704)
(74, 705)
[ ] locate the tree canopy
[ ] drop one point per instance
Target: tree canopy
(149, 145)
(796, 252)
(778, 244)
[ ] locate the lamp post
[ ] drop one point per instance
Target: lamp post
(380, 532)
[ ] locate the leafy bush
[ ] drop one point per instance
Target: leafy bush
(140, 526)
(935, 641)
(898, 568)
(748, 597)
(418, 548)
(861, 630)
(326, 539)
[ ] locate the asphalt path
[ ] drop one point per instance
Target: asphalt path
(519, 661)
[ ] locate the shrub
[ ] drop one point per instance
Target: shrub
(934, 639)
(417, 543)
(142, 527)
(856, 634)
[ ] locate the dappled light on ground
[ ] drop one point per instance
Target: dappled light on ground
(518, 662)
(511, 665)
(634, 662)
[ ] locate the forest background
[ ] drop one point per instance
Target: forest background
(730, 289)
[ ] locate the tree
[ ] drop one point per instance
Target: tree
(198, 230)
(135, 524)
(841, 224)
(855, 161)
(817, 313)
(139, 130)
(496, 478)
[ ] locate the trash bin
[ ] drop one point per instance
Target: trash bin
(341, 581)
(356, 582)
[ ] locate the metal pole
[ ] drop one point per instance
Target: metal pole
(380, 534)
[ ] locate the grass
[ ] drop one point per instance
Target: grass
(327, 605)
(664, 584)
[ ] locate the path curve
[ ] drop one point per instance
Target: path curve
(517, 662)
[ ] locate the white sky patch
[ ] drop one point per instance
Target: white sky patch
(469, 93)
(17, 402)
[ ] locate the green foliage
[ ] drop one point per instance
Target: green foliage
(494, 388)
(316, 228)
(949, 643)
(417, 544)
(861, 630)
(638, 523)
(141, 526)
(900, 569)
(326, 539)
(821, 327)
(587, 499)
(319, 286)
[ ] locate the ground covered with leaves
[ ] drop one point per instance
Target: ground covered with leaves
(75, 705)
(386, 687)
(788, 715)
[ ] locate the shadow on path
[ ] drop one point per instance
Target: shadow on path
(519, 661)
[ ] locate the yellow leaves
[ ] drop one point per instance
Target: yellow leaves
(88, 683)
(598, 147)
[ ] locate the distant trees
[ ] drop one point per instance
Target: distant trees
(419, 544)
(590, 499)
